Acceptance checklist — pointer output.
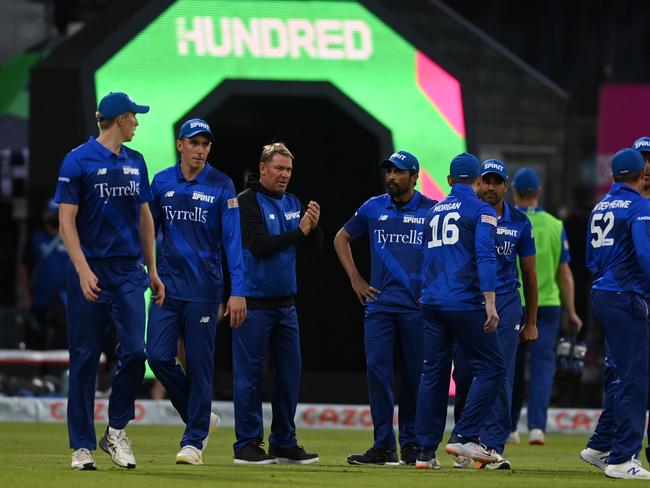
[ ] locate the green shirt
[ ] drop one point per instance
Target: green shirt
(552, 249)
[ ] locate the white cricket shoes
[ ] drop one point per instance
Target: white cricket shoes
(595, 457)
(500, 463)
(630, 470)
(472, 450)
(189, 455)
(119, 447)
(514, 439)
(83, 460)
(461, 462)
(536, 437)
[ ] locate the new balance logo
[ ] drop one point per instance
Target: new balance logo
(271, 216)
(204, 320)
(633, 471)
(517, 327)
(382, 217)
(169, 194)
(101, 171)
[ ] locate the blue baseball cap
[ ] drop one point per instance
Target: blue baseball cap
(193, 127)
(642, 144)
(465, 166)
(402, 160)
(627, 161)
(51, 207)
(117, 103)
(526, 180)
(495, 166)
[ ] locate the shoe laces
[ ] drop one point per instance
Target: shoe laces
(122, 443)
(82, 451)
(485, 448)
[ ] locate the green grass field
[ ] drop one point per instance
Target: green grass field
(36, 455)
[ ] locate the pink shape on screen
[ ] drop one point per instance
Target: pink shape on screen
(442, 89)
(452, 386)
(429, 186)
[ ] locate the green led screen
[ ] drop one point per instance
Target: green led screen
(183, 56)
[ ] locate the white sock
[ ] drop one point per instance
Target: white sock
(112, 431)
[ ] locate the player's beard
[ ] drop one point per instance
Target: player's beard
(395, 191)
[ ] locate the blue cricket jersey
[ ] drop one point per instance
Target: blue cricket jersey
(109, 189)
(395, 236)
(274, 275)
(514, 238)
(459, 255)
(198, 218)
(618, 241)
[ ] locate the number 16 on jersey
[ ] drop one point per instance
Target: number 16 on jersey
(448, 231)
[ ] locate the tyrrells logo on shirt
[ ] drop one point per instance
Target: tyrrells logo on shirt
(131, 190)
(412, 237)
(506, 249)
(197, 214)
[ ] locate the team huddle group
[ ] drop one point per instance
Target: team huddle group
(446, 286)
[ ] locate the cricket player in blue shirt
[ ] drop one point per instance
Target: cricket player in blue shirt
(514, 239)
(618, 255)
(600, 444)
(394, 223)
(195, 206)
(107, 228)
(274, 226)
(459, 304)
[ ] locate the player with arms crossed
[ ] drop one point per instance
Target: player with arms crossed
(196, 207)
(458, 304)
(394, 223)
(107, 227)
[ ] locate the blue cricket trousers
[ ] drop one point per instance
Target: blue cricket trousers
(121, 302)
(274, 330)
(624, 320)
(441, 329)
(498, 424)
(382, 331)
(601, 440)
(542, 369)
(190, 391)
